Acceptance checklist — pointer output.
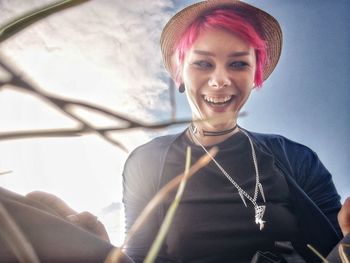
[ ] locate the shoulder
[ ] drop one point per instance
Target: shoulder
(276, 142)
(293, 156)
(143, 167)
(158, 142)
(154, 147)
(296, 159)
(151, 153)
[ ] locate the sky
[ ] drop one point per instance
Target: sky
(106, 52)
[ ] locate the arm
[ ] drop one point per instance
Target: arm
(140, 184)
(337, 254)
(318, 184)
(52, 237)
(84, 220)
(315, 196)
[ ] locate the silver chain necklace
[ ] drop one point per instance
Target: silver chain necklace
(259, 209)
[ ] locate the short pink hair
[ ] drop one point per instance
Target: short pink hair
(229, 20)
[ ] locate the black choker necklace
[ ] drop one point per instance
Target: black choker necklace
(213, 133)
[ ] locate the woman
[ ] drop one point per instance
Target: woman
(262, 192)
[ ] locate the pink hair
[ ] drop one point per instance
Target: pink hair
(229, 20)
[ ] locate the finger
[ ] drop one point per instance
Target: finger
(344, 217)
(87, 219)
(52, 201)
(90, 223)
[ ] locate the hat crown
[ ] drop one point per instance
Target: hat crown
(266, 25)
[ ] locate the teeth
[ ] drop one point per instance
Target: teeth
(217, 99)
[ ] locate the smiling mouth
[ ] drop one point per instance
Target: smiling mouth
(217, 101)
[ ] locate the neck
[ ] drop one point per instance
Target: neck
(208, 138)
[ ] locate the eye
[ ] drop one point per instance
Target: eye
(202, 64)
(238, 64)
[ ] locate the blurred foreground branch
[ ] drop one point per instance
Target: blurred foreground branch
(67, 106)
(343, 256)
(6, 172)
(14, 237)
(168, 219)
(64, 105)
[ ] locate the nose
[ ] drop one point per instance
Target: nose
(219, 78)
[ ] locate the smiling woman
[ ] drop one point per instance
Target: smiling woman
(259, 190)
(262, 192)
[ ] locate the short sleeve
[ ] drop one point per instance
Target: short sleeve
(318, 184)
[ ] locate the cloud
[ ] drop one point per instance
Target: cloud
(103, 51)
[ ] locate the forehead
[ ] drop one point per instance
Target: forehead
(220, 40)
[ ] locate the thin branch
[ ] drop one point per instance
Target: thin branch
(172, 99)
(343, 256)
(168, 219)
(66, 106)
(14, 237)
(6, 172)
(13, 135)
(317, 253)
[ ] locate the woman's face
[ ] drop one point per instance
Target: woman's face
(218, 73)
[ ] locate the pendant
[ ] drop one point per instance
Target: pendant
(259, 213)
(262, 192)
(242, 197)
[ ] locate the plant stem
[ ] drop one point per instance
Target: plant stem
(16, 240)
(154, 250)
(317, 253)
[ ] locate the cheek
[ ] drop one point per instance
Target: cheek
(247, 81)
(190, 80)
(186, 74)
(246, 96)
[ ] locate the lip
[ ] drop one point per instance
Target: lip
(219, 106)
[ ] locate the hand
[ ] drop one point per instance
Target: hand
(84, 220)
(344, 217)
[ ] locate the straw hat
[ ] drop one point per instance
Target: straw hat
(267, 27)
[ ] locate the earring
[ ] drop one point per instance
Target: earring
(182, 88)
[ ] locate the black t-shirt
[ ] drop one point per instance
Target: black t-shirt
(212, 224)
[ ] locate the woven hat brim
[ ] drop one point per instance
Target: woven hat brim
(265, 24)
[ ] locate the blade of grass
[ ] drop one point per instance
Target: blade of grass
(116, 253)
(154, 250)
(342, 254)
(16, 240)
(317, 253)
(25, 20)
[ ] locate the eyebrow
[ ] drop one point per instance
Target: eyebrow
(233, 54)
